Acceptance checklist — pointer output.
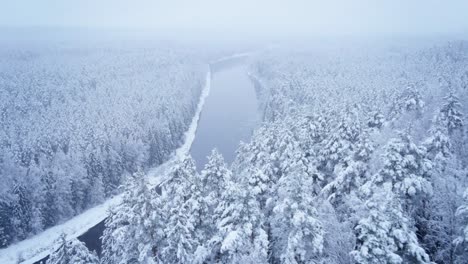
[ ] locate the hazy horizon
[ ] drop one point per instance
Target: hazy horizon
(259, 18)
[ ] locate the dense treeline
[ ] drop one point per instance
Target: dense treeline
(387, 136)
(361, 159)
(74, 120)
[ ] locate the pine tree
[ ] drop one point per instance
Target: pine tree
(450, 114)
(185, 207)
(6, 226)
(146, 219)
(352, 173)
(439, 216)
(259, 161)
(214, 178)
(410, 100)
(16, 203)
(113, 168)
(96, 191)
(50, 200)
(311, 131)
(241, 238)
(22, 208)
(62, 168)
(384, 236)
(440, 219)
(296, 231)
(336, 250)
(438, 146)
(7, 199)
(406, 168)
(79, 185)
(95, 171)
(179, 243)
(289, 155)
(339, 145)
(134, 228)
(72, 251)
(462, 214)
(117, 244)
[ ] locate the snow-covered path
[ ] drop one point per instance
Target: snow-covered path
(39, 246)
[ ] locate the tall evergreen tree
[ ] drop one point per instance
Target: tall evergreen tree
(72, 251)
(384, 236)
(297, 234)
(439, 216)
(462, 240)
(410, 100)
(339, 144)
(438, 145)
(241, 238)
(215, 177)
(259, 161)
(440, 219)
(406, 168)
(6, 226)
(134, 228)
(62, 169)
(185, 207)
(352, 172)
(450, 113)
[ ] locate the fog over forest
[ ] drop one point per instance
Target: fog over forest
(217, 131)
(262, 17)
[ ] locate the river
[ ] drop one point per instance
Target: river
(229, 115)
(230, 112)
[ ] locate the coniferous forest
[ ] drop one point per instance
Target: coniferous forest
(356, 161)
(234, 132)
(76, 121)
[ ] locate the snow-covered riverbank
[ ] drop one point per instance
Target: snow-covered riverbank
(39, 246)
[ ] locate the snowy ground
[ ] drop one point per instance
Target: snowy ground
(40, 245)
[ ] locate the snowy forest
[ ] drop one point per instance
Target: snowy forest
(71, 129)
(348, 166)
(234, 132)
(356, 162)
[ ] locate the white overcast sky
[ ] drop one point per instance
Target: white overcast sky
(289, 16)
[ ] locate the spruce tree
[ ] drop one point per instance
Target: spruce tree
(352, 172)
(339, 145)
(240, 237)
(297, 234)
(450, 113)
(407, 169)
(72, 251)
(133, 228)
(462, 213)
(385, 236)
(215, 177)
(186, 209)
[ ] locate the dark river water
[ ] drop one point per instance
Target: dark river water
(229, 115)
